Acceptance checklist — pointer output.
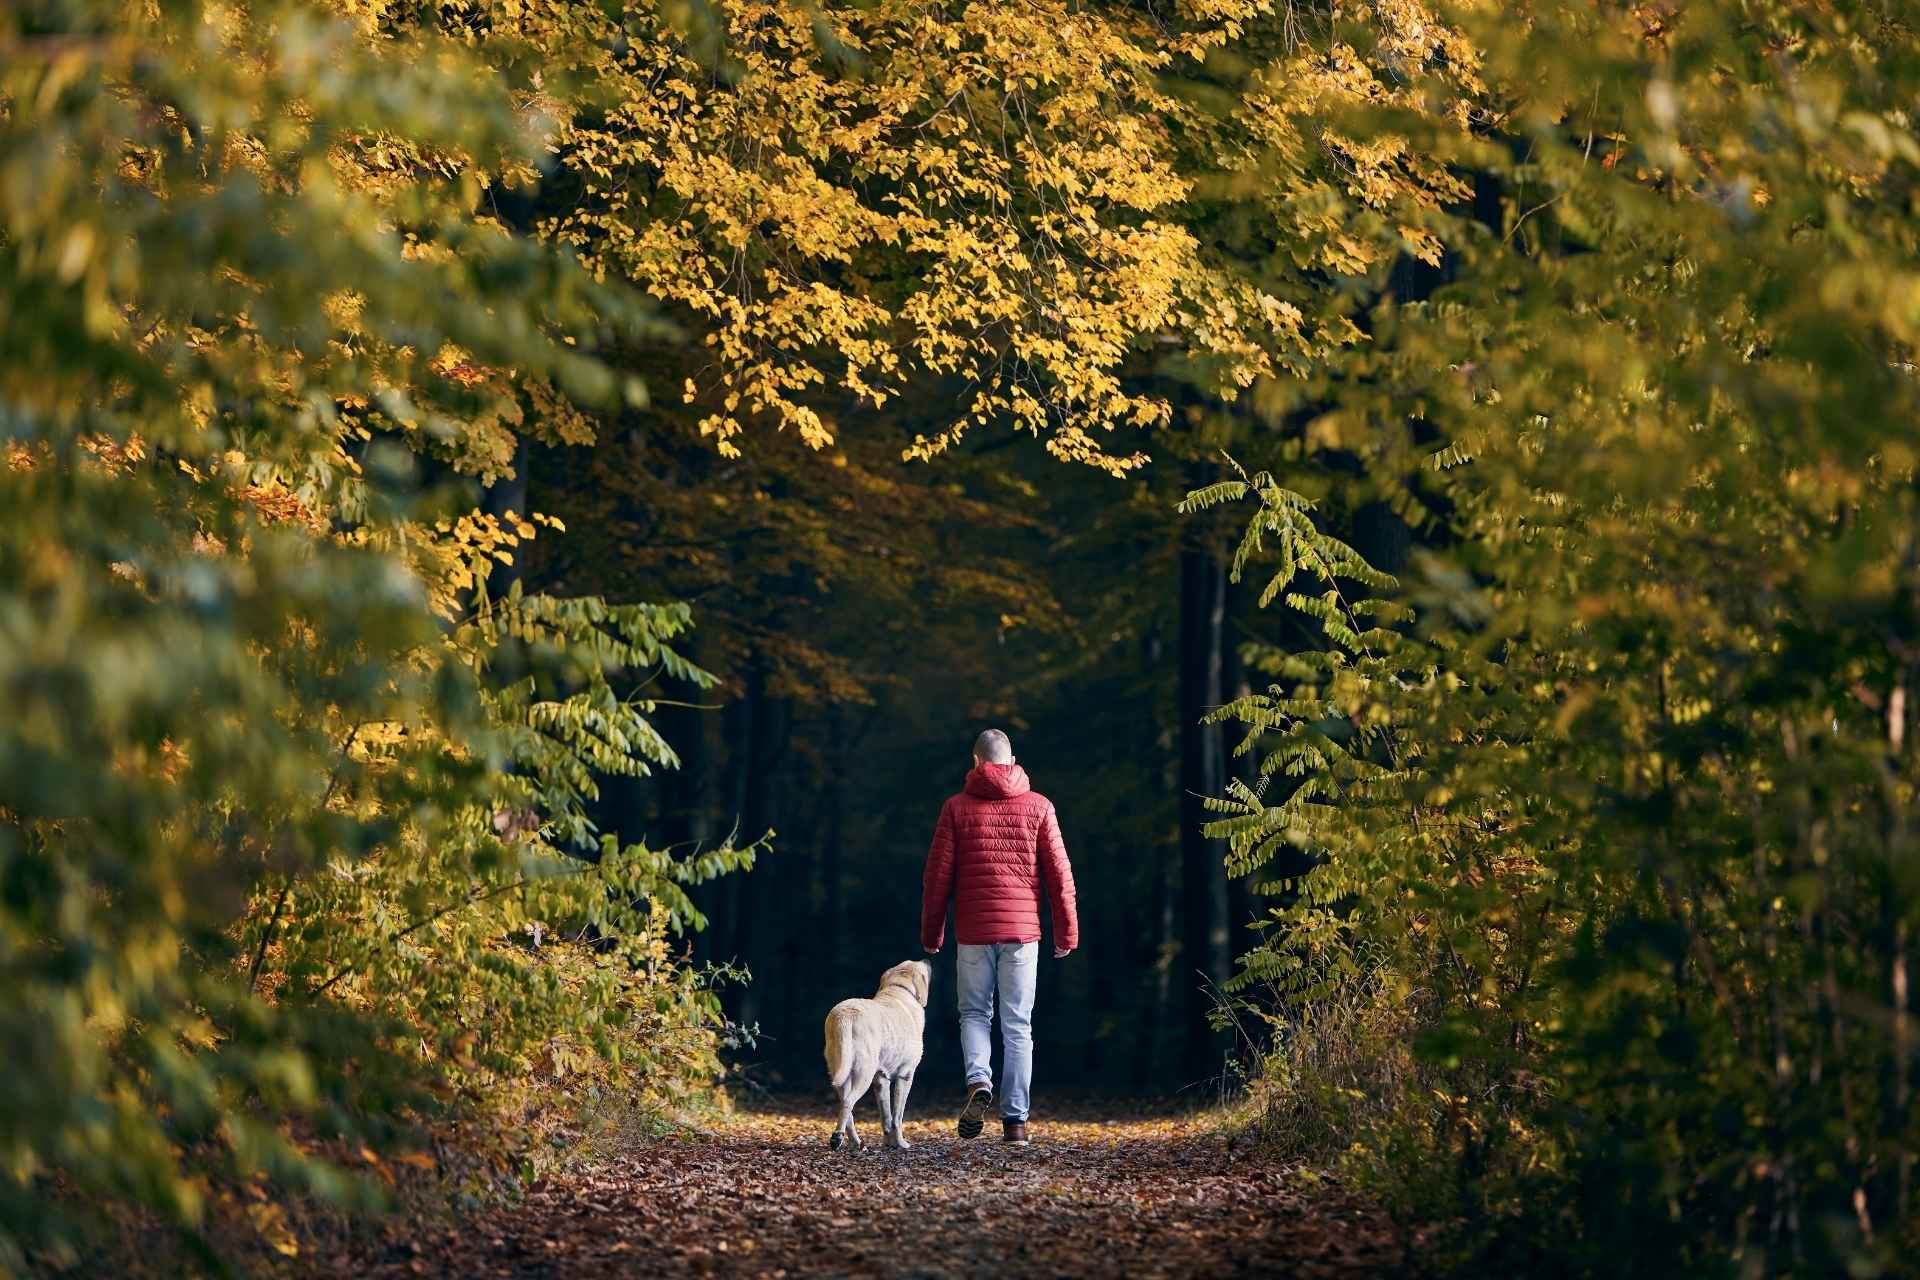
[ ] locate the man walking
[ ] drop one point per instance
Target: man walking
(996, 846)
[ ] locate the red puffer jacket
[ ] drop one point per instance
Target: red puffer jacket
(995, 845)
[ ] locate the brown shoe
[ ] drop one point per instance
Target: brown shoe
(1014, 1131)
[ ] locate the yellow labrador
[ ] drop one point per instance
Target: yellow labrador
(878, 1041)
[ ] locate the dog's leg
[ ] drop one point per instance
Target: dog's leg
(856, 1089)
(902, 1086)
(882, 1093)
(843, 1132)
(840, 1125)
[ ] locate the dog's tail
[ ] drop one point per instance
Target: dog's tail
(839, 1049)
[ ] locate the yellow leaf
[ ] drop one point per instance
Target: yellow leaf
(270, 1221)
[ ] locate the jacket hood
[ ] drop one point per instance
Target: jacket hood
(997, 781)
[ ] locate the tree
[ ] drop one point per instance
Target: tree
(1613, 798)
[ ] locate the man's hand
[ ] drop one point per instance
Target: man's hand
(932, 951)
(1061, 953)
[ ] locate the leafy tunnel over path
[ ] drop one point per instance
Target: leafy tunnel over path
(1107, 1188)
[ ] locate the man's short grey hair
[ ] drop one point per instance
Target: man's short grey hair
(993, 747)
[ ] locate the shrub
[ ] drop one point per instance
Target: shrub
(1622, 776)
(289, 805)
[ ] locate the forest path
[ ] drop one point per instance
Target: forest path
(1104, 1190)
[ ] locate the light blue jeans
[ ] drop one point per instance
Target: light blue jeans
(1008, 969)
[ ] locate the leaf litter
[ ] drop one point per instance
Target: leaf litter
(1106, 1188)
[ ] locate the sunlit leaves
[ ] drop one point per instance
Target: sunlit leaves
(985, 200)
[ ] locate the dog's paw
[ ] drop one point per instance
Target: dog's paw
(899, 1144)
(833, 1143)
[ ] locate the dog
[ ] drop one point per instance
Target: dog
(878, 1041)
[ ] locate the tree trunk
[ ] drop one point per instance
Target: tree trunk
(1382, 538)
(686, 803)
(1241, 902)
(1203, 871)
(761, 946)
(738, 728)
(1899, 1084)
(832, 851)
(1152, 1065)
(508, 496)
(686, 824)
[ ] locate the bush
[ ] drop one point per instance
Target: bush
(290, 806)
(1622, 777)
(1338, 1070)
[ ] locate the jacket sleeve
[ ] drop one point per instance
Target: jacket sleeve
(936, 888)
(1059, 877)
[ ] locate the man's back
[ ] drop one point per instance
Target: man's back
(996, 849)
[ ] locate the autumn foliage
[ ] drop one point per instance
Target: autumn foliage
(1480, 607)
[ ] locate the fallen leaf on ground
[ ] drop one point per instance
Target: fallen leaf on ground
(1099, 1192)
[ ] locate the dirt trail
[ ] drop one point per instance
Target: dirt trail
(1103, 1191)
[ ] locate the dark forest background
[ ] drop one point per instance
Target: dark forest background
(868, 618)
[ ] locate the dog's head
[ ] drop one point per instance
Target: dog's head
(914, 975)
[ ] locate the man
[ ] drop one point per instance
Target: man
(996, 846)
